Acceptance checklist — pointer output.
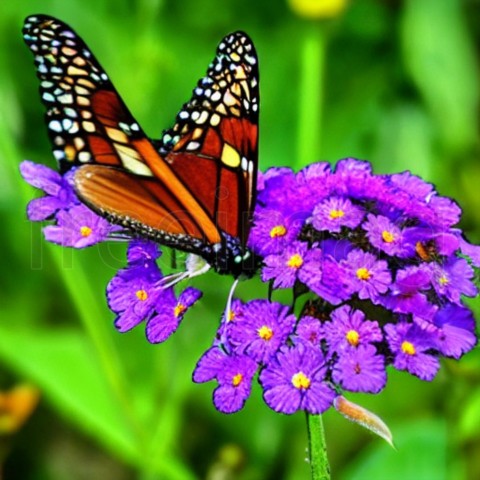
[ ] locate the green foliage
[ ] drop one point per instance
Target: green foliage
(417, 444)
(400, 88)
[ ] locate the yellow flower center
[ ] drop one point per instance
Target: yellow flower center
(295, 261)
(265, 333)
(278, 231)
(301, 381)
(85, 231)
(141, 295)
(334, 214)
(316, 9)
(237, 379)
(179, 309)
(363, 274)
(443, 280)
(387, 236)
(408, 348)
(353, 337)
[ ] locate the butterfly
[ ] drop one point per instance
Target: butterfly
(194, 189)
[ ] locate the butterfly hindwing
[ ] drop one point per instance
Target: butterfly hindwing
(194, 188)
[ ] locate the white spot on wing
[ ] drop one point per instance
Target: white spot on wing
(193, 146)
(55, 126)
(135, 166)
(84, 156)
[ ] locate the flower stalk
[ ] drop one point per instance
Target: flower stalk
(311, 93)
(317, 448)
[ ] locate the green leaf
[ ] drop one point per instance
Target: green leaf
(469, 424)
(441, 59)
(421, 455)
(65, 369)
(64, 366)
(406, 140)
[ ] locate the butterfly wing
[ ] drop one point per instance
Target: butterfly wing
(86, 119)
(187, 190)
(213, 144)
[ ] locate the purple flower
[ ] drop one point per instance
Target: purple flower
(325, 277)
(169, 313)
(446, 243)
(453, 279)
(422, 239)
(234, 374)
(295, 380)
(78, 227)
(337, 249)
(409, 344)
(406, 295)
(142, 252)
(133, 294)
(311, 186)
(279, 189)
(446, 211)
(354, 178)
(453, 329)
(59, 192)
(235, 314)
(360, 370)
(273, 231)
(412, 185)
(367, 275)
(315, 173)
(471, 251)
(309, 330)
(334, 213)
(348, 329)
(384, 235)
(261, 330)
(284, 268)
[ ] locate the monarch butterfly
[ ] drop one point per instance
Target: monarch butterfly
(194, 189)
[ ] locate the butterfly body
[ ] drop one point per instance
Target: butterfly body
(194, 189)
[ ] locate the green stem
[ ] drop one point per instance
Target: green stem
(317, 448)
(311, 94)
(310, 115)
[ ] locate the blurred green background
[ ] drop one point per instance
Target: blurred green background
(395, 82)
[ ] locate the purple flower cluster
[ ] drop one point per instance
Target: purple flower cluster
(387, 270)
(139, 292)
(379, 257)
(75, 225)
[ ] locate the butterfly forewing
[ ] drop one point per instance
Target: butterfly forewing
(194, 188)
(87, 121)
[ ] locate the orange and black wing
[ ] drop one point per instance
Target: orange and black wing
(175, 190)
(213, 146)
